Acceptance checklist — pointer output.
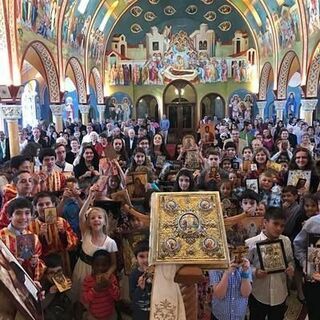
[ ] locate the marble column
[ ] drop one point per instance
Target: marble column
(57, 110)
(261, 105)
(307, 108)
(101, 109)
(11, 114)
(84, 109)
(279, 105)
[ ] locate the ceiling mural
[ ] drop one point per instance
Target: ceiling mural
(75, 27)
(181, 15)
(203, 40)
(37, 20)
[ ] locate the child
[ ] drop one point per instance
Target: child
(212, 174)
(291, 209)
(55, 237)
(311, 288)
(231, 289)
(229, 204)
(270, 198)
(94, 231)
(249, 201)
(56, 305)
(70, 204)
(20, 212)
(269, 291)
(140, 283)
(184, 181)
(100, 293)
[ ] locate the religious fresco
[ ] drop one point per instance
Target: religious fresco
(312, 8)
(154, 43)
(37, 20)
(75, 27)
(177, 56)
(242, 104)
(119, 107)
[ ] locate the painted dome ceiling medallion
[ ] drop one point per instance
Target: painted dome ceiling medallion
(135, 28)
(225, 9)
(207, 1)
(136, 11)
(192, 9)
(210, 16)
(225, 26)
(169, 10)
(149, 16)
(154, 1)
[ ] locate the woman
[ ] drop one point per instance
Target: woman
(88, 165)
(302, 160)
(139, 163)
(267, 140)
(119, 148)
(158, 151)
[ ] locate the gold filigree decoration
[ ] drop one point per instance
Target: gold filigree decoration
(165, 310)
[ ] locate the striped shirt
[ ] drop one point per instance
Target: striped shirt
(101, 303)
(234, 305)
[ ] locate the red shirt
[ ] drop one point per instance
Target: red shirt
(101, 304)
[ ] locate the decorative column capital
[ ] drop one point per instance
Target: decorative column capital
(309, 104)
(261, 104)
(84, 108)
(279, 104)
(11, 111)
(101, 108)
(57, 109)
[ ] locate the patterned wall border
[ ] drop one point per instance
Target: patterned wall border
(98, 85)
(314, 74)
(79, 78)
(264, 80)
(284, 74)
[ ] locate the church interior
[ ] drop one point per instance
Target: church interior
(81, 59)
(96, 63)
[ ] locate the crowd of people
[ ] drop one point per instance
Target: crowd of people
(63, 192)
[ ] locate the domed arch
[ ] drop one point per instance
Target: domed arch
(266, 76)
(314, 74)
(75, 72)
(289, 64)
(44, 63)
(95, 76)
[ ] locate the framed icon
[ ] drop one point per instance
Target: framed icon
(252, 184)
(272, 256)
(313, 255)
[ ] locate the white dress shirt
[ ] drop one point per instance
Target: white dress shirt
(271, 290)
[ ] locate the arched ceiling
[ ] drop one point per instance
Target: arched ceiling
(185, 15)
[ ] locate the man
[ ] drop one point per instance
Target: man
(86, 138)
(23, 183)
(50, 179)
(5, 149)
(36, 137)
(131, 142)
(164, 127)
(61, 164)
(246, 133)
(235, 138)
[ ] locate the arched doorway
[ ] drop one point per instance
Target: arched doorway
(147, 106)
(212, 105)
(179, 105)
